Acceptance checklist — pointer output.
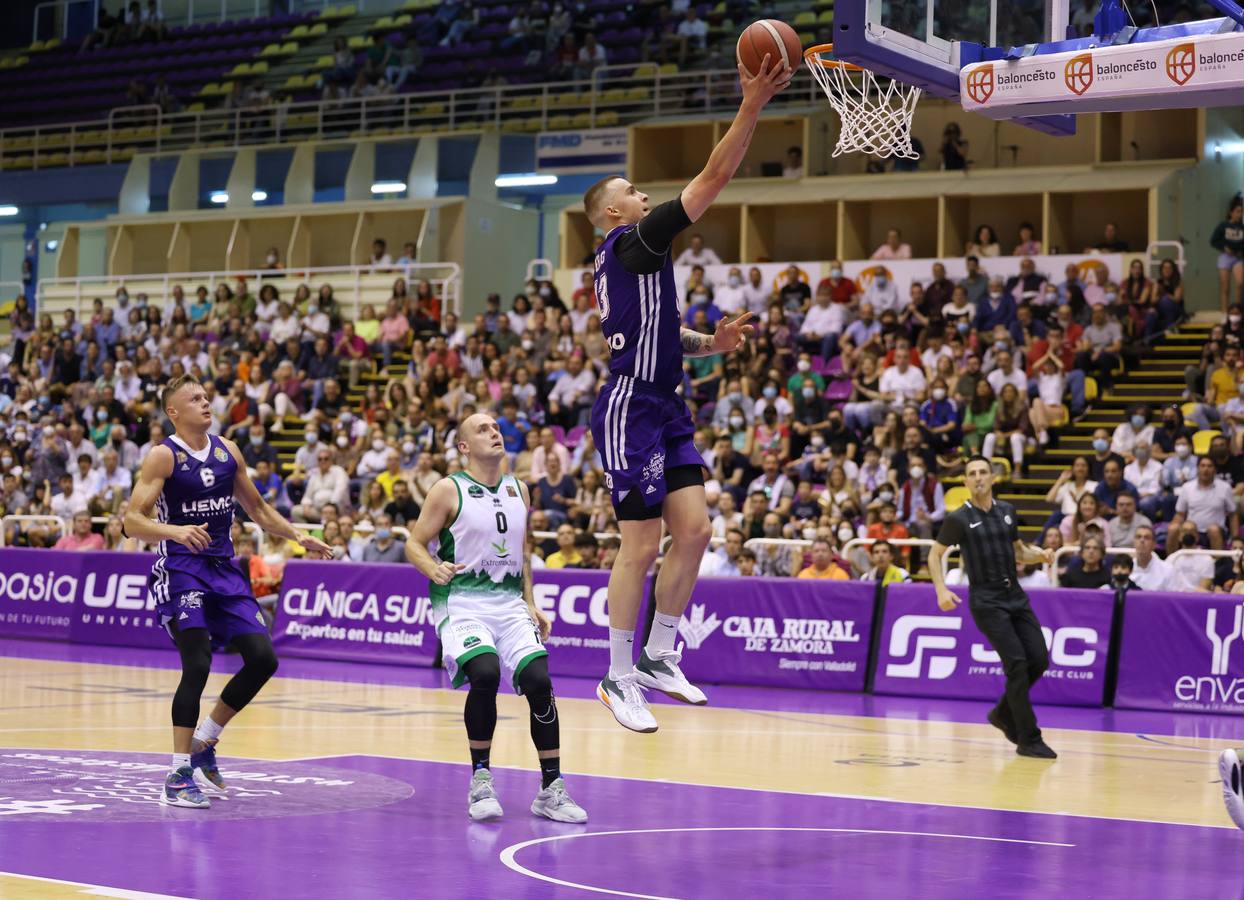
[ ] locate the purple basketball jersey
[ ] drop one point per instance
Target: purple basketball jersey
(639, 317)
(199, 492)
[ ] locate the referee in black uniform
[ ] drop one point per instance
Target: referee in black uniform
(987, 532)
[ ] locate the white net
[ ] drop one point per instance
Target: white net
(876, 111)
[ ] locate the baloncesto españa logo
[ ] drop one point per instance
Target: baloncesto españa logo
(1181, 63)
(1078, 73)
(980, 83)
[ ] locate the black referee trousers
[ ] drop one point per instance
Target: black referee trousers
(1015, 634)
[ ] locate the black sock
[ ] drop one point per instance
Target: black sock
(479, 758)
(550, 770)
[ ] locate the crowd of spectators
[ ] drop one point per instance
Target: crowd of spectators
(842, 418)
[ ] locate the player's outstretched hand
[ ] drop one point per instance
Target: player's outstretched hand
(315, 547)
(194, 537)
(767, 82)
(445, 571)
(730, 335)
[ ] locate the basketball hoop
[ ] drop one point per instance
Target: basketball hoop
(876, 111)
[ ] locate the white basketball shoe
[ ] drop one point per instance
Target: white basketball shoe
(1232, 784)
(659, 670)
(483, 802)
(554, 803)
(625, 699)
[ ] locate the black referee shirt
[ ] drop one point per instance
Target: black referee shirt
(986, 542)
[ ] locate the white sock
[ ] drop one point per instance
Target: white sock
(621, 652)
(664, 631)
(181, 760)
(208, 730)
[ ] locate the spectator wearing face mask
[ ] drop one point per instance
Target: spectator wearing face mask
(1102, 454)
(823, 325)
(921, 501)
(882, 294)
(940, 416)
(383, 547)
(730, 298)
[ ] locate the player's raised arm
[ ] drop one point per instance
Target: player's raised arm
(438, 511)
(726, 157)
(262, 513)
(139, 523)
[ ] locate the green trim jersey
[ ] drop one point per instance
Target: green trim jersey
(486, 535)
(482, 609)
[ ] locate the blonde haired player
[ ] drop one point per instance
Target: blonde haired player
(485, 611)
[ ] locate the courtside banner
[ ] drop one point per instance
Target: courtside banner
(578, 152)
(1182, 652)
(95, 597)
(574, 599)
(779, 632)
(379, 612)
(929, 653)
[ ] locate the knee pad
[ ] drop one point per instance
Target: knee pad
(484, 673)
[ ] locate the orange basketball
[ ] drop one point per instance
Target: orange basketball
(769, 36)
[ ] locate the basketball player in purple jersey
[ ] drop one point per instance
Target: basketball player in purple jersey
(641, 426)
(190, 481)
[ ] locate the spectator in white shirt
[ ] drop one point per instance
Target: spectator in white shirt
(327, 483)
(268, 307)
(823, 324)
(77, 444)
(1145, 474)
(692, 34)
(70, 500)
(129, 386)
(285, 326)
(699, 255)
(1135, 430)
(1150, 572)
(570, 400)
(882, 295)
(380, 257)
(114, 481)
(1196, 569)
(902, 382)
(315, 324)
(376, 459)
(755, 295)
(730, 297)
(1209, 504)
(893, 248)
(793, 168)
(727, 516)
(1007, 373)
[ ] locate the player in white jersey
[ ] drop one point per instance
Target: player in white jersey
(486, 613)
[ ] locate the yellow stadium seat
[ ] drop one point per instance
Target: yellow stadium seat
(289, 48)
(956, 497)
(807, 17)
(239, 70)
(36, 46)
(607, 119)
(382, 23)
(615, 95)
(1188, 408)
(271, 50)
(826, 17)
(637, 95)
(323, 62)
(582, 120)
(298, 32)
(559, 123)
(197, 106)
(806, 38)
(402, 21)
(358, 42)
(668, 69)
(647, 70)
(348, 10)
(1200, 440)
(1090, 389)
(328, 12)
(318, 29)
(259, 68)
(51, 44)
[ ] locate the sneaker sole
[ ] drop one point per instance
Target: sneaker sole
(649, 681)
(604, 698)
(539, 810)
(485, 816)
(206, 784)
(1228, 767)
(184, 804)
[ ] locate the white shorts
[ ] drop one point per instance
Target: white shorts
(470, 627)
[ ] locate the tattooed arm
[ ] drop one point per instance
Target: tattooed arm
(728, 337)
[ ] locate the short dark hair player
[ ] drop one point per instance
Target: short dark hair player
(987, 533)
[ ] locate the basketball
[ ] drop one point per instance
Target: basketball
(772, 37)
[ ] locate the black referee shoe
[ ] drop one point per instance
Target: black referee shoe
(1038, 750)
(996, 721)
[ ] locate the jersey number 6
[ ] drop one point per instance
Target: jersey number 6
(208, 477)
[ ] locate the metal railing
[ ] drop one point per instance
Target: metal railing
(194, 12)
(55, 295)
(1154, 261)
(5, 521)
(1074, 549)
(605, 99)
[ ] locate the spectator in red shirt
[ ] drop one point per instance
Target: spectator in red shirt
(353, 350)
(586, 288)
(1056, 346)
(842, 289)
(81, 538)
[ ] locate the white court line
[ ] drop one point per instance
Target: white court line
(507, 855)
(97, 890)
(830, 795)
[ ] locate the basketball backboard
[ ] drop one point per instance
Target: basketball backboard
(940, 44)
